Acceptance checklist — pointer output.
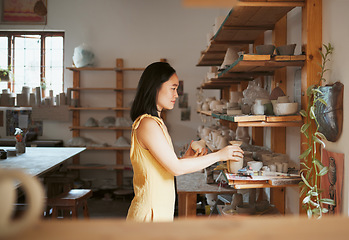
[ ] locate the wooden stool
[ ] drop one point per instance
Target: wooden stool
(71, 201)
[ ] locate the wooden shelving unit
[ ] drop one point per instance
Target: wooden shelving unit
(245, 24)
(258, 120)
(119, 110)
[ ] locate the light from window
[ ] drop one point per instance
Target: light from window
(36, 60)
(27, 62)
(54, 64)
(3, 58)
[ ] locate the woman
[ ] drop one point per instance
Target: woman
(152, 156)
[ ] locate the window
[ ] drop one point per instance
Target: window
(35, 58)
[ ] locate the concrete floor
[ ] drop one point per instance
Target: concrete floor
(106, 205)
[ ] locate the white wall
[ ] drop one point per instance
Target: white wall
(140, 32)
(335, 16)
(145, 31)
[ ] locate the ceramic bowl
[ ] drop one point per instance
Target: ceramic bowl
(265, 49)
(245, 209)
(255, 166)
(285, 108)
(283, 99)
(233, 112)
(286, 49)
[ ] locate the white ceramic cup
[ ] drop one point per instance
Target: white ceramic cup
(34, 195)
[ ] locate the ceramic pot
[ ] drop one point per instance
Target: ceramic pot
(214, 136)
(34, 195)
(234, 166)
(205, 106)
(243, 135)
(221, 142)
(258, 107)
(213, 104)
(330, 116)
(237, 200)
(198, 106)
(198, 145)
(206, 133)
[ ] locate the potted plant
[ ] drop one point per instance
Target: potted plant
(4, 74)
(312, 167)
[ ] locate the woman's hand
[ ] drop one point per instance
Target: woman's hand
(231, 152)
(190, 153)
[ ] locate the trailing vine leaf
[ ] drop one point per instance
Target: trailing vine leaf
(323, 171)
(327, 201)
(303, 113)
(305, 127)
(306, 182)
(305, 153)
(312, 168)
(319, 134)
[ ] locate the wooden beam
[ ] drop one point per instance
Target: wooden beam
(232, 3)
(311, 44)
(278, 134)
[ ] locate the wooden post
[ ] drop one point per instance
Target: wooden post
(278, 134)
(119, 104)
(76, 113)
(258, 132)
(311, 44)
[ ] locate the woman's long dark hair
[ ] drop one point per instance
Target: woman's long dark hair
(149, 84)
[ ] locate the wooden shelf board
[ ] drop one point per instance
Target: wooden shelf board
(269, 124)
(249, 118)
(260, 120)
(228, 3)
(99, 128)
(287, 118)
(98, 109)
(103, 89)
(207, 113)
(266, 66)
(245, 23)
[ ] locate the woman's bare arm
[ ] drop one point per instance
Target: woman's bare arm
(151, 137)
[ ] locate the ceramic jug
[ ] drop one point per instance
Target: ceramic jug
(34, 195)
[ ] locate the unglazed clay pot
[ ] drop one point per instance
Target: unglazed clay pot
(243, 135)
(234, 166)
(198, 145)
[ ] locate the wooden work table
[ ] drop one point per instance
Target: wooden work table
(199, 228)
(189, 185)
(37, 161)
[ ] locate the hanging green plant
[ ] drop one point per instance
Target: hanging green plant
(313, 168)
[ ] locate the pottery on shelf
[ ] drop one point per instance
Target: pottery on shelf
(265, 49)
(286, 49)
(234, 166)
(205, 106)
(282, 109)
(230, 57)
(198, 145)
(243, 135)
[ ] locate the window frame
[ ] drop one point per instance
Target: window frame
(43, 34)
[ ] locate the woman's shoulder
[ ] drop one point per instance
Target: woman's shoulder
(146, 121)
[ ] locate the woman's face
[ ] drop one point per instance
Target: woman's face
(167, 95)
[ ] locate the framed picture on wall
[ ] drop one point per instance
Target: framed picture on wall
(24, 12)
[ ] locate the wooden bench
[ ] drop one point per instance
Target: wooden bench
(70, 201)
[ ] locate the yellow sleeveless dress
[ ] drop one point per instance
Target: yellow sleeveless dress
(153, 185)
